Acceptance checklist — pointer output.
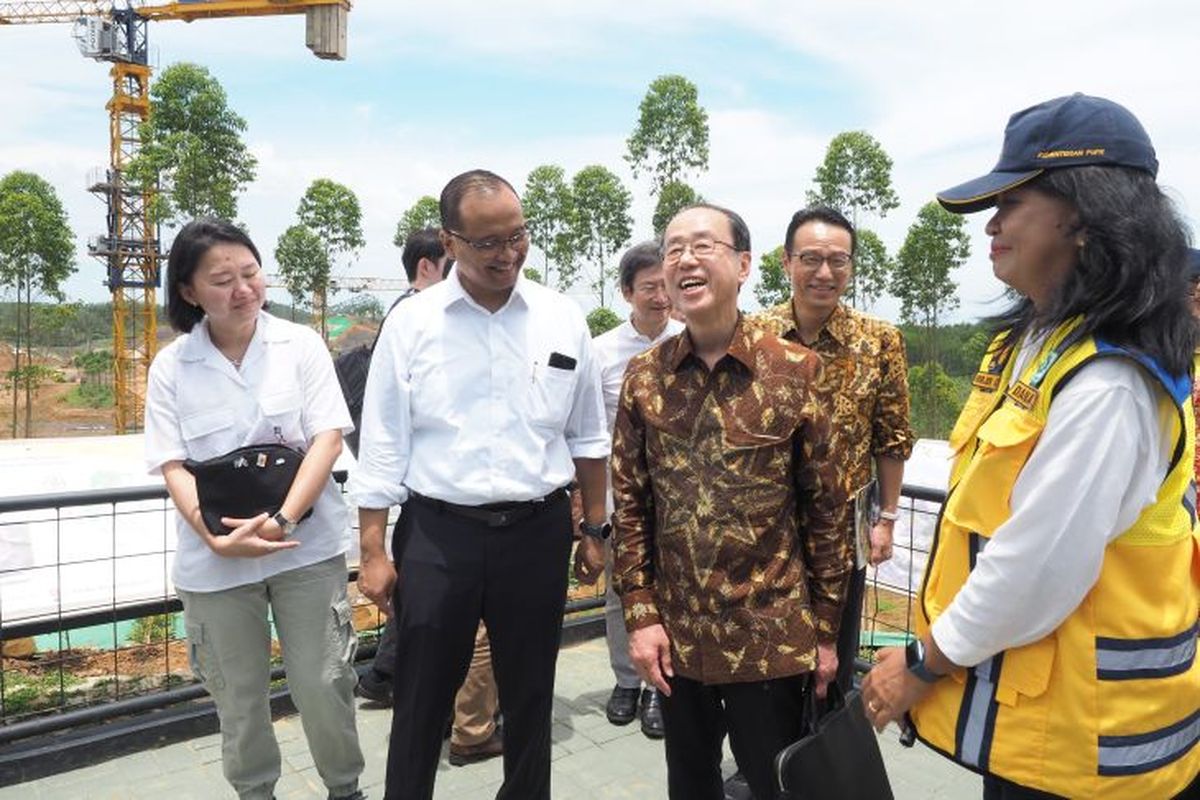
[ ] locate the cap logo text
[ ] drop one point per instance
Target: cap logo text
(1082, 152)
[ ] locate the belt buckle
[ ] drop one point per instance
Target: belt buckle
(499, 519)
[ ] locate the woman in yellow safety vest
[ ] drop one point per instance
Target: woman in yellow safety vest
(1057, 620)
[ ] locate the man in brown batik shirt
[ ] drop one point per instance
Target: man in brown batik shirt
(730, 561)
(864, 381)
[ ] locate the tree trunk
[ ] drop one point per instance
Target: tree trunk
(16, 371)
(28, 358)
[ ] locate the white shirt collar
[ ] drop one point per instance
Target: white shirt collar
(199, 345)
(455, 292)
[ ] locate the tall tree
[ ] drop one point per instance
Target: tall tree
(423, 214)
(670, 140)
(36, 255)
(674, 196)
(549, 214)
(937, 244)
(192, 148)
(774, 286)
(856, 179)
(331, 212)
(304, 266)
(602, 221)
(872, 266)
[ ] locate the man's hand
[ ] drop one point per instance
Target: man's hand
(650, 652)
(881, 542)
(589, 560)
(250, 538)
(889, 690)
(377, 580)
(827, 664)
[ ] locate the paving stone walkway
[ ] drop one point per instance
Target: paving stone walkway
(591, 758)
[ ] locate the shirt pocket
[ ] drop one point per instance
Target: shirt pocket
(206, 433)
(283, 416)
(551, 396)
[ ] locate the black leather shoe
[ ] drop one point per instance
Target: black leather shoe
(736, 788)
(375, 687)
(652, 719)
(622, 705)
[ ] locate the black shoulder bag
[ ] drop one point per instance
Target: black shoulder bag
(244, 483)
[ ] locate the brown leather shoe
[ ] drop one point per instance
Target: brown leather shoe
(461, 755)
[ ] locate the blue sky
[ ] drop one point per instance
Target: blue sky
(431, 89)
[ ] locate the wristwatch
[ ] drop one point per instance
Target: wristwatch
(286, 525)
(914, 659)
(600, 532)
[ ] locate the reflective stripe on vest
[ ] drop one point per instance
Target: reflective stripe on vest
(1131, 659)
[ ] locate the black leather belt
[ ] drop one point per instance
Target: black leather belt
(494, 515)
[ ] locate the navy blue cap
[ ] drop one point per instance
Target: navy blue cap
(1193, 263)
(1068, 131)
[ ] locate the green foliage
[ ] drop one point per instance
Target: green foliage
(90, 395)
(365, 307)
(602, 320)
(23, 693)
(303, 263)
(549, 206)
(533, 274)
(935, 399)
(37, 251)
(774, 286)
(675, 196)
(602, 223)
(960, 346)
(96, 365)
(153, 629)
(423, 214)
(193, 149)
(670, 140)
(331, 211)
(872, 268)
(855, 177)
(936, 244)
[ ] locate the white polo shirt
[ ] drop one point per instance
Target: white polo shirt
(199, 406)
(472, 407)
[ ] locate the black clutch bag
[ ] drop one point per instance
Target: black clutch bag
(838, 757)
(244, 483)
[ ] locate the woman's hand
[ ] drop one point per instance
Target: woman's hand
(250, 538)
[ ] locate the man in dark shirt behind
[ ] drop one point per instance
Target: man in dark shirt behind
(730, 561)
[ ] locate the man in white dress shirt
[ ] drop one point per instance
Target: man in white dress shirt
(649, 323)
(482, 405)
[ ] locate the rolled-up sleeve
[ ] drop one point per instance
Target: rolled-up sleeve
(586, 432)
(891, 432)
(385, 444)
(633, 495)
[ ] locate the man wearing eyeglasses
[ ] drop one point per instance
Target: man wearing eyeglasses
(482, 404)
(730, 561)
(865, 380)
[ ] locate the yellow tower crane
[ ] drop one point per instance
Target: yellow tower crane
(130, 247)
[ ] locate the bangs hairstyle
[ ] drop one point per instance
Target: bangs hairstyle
(187, 251)
(1130, 282)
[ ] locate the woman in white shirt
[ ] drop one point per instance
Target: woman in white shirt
(238, 376)
(1058, 614)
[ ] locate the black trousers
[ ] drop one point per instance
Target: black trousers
(761, 717)
(849, 629)
(452, 573)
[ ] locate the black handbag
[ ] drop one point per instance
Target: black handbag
(838, 758)
(244, 483)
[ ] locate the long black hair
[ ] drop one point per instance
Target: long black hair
(1130, 283)
(187, 251)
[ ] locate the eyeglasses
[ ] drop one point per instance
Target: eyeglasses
(701, 249)
(494, 245)
(813, 261)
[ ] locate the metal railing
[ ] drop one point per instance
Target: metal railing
(89, 623)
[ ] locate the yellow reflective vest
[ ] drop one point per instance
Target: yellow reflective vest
(1108, 704)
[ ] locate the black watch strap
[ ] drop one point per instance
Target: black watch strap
(601, 531)
(914, 657)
